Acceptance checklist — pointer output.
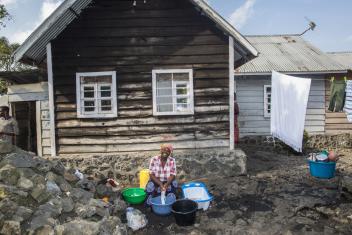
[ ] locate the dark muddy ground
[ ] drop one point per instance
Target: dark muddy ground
(278, 196)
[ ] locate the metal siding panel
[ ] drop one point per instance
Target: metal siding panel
(251, 103)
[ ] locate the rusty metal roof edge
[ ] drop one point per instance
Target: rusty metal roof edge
(46, 26)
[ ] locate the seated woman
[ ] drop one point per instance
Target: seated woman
(162, 170)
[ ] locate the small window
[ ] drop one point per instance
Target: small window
(173, 92)
(96, 95)
(267, 101)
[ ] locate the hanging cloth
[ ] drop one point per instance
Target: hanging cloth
(289, 99)
(337, 95)
(348, 100)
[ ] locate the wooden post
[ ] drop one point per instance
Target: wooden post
(51, 99)
(231, 92)
(29, 133)
(39, 127)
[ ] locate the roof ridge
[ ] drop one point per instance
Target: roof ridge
(271, 35)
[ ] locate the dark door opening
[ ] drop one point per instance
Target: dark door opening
(25, 114)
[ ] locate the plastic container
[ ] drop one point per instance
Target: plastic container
(197, 192)
(323, 170)
(184, 211)
(134, 195)
(159, 208)
(143, 178)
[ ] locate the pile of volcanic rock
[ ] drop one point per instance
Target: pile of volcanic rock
(39, 196)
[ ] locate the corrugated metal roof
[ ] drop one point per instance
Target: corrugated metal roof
(344, 58)
(34, 48)
(288, 54)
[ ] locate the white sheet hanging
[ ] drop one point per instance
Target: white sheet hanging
(289, 99)
(348, 101)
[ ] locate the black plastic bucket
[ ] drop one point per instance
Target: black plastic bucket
(185, 212)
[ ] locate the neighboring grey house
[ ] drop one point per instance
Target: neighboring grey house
(289, 54)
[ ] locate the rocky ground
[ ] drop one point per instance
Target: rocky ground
(277, 196)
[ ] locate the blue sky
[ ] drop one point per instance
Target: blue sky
(333, 33)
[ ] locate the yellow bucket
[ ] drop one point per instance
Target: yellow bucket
(143, 178)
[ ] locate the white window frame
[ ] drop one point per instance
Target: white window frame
(191, 94)
(79, 91)
(266, 112)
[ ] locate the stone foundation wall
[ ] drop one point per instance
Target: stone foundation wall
(191, 165)
(342, 141)
(311, 143)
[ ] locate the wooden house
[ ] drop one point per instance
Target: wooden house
(289, 54)
(127, 75)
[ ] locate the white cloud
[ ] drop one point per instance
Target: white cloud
(241, 15)
(7, 2)
(20, 36)
(48, 6)
(349, 38)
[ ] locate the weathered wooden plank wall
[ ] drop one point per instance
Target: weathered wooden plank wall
(114, 35)
(250, 96)
(336, 123)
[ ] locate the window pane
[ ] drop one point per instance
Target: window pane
(105, 88)
(181, 91)
(89, 109)
(105, 102)
(96, 79)
(165, 108)
(89, 103)
(164, 100)
(181, 88)
(89, 106)
(181, 76)
(164, 92)
(164, 80)
(268, 89)
(105, 93)
(182, 107)
(88, 94)
(182, 100)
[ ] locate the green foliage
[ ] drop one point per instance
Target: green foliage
(3, 87)
(6, 60)
(4, 15)
(6, 50)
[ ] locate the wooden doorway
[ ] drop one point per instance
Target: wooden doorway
(25, 114)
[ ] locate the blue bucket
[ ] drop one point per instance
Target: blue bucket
(161, 209)
(323, 170)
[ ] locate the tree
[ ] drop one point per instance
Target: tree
(4, 15)
(6, 50)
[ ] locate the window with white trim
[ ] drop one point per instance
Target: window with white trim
(173, 92)
(96, 94)
(267, 101)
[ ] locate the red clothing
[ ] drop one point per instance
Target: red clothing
(237, 130)
(156, 168)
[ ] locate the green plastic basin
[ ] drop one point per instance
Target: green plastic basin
(134, 195)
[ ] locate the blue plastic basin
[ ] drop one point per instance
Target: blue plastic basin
(161, 209)
(323, 170)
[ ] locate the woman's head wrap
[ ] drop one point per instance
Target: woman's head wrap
(166, 148)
